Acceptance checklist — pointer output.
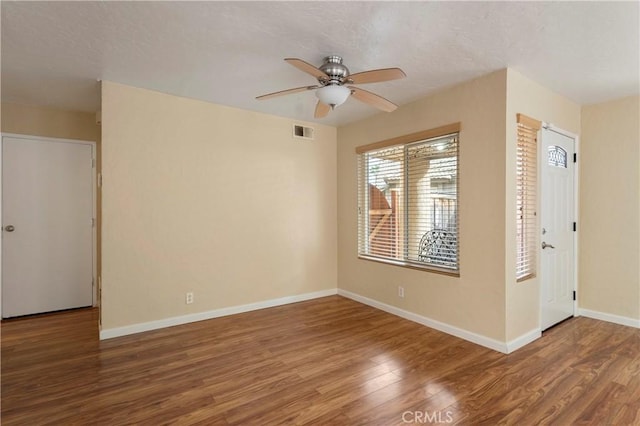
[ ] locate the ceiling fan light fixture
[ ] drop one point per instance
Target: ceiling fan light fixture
(333, 95)
(335, 84)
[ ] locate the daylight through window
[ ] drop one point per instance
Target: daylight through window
(408, 201)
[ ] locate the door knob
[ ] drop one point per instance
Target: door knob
(9, 228)
(545, 245)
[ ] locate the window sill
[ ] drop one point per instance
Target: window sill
(425, 268)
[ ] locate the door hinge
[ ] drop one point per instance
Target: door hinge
(574, 295)
(99, 180)
(93, 163)
(575, 157)
(93, 222)
(574, 227)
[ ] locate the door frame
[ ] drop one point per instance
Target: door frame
(94, 198)
(576, 213)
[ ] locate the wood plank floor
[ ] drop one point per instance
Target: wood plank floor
(329, 361)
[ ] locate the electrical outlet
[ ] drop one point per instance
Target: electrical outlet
(188, 298)
(401, 291)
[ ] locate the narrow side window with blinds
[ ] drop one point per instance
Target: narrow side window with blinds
(408, 200)
(526, 196)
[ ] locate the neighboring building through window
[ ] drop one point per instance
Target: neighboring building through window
(408, 200)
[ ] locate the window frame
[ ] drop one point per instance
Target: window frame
(406, 140)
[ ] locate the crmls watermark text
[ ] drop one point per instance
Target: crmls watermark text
(424, 417)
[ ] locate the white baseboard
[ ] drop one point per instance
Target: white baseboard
(481, 340)
(472, 337)
(523, 340)
(216, 313)
(603, 316)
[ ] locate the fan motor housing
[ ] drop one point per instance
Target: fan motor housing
(333, 67)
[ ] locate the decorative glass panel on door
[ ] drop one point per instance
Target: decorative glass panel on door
(557, 156)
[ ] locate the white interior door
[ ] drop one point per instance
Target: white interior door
(557, 219)
(47, 232)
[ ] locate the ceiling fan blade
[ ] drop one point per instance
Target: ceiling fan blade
(376, 76)
(286, 92)
(321, 110)
(372, 99)
(307, 67)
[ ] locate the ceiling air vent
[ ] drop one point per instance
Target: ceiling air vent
(302, 132)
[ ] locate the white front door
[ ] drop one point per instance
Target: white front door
(557, 227)
(47, 229)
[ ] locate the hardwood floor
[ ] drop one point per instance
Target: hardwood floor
(329, 361)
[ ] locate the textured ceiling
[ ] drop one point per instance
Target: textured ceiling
(227, 53)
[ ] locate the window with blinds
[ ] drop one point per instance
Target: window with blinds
(408, 200)
(526, 196)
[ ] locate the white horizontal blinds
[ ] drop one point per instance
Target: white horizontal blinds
(381, 198)
(432, 205)
(526, 196)
(363, 210)
(407, 198)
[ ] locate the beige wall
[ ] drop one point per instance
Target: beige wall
(185, 180)
(49, 122)
(476, 300)
(215, 200)
(530, 98)
(610, 208)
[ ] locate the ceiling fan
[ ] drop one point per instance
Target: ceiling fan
(334, 84)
